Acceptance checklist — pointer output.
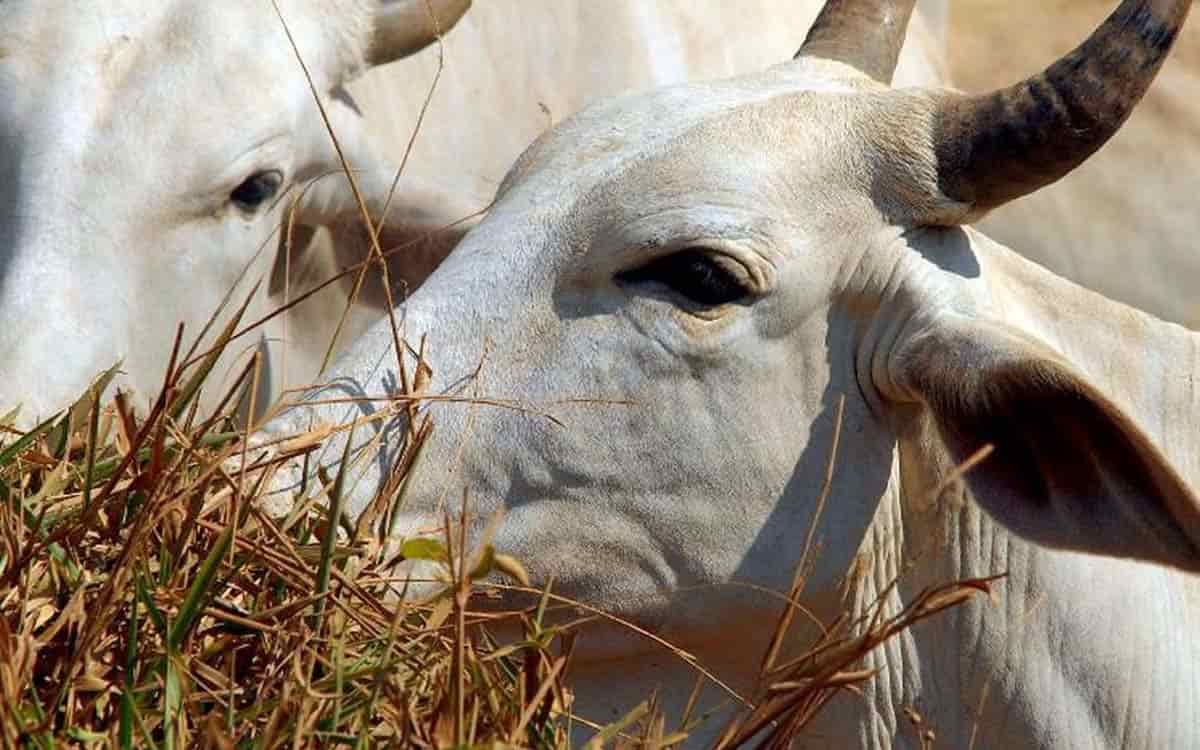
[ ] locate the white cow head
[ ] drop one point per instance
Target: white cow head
(146, 150)
(691, 280)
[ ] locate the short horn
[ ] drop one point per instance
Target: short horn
(865, 34)
(405, 27)
(997, 147)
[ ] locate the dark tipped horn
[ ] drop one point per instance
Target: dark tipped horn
(997, 147)
(866, 34)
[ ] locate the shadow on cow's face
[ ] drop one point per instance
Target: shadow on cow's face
(11, 144)
(147, 153)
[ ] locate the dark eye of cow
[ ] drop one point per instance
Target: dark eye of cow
(256, 190)
(692, 273)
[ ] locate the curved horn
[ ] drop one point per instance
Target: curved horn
(866, 34)
(405, 27)
(997, 147)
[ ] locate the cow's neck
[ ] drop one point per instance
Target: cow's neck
(1061, 625)
(606, 690)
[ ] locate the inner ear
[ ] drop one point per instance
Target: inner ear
(413, 247)
(1069, 469)
(422, 223)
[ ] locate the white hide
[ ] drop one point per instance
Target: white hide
(513, 68)
(695, 439)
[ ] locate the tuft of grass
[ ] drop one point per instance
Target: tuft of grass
(146, 601)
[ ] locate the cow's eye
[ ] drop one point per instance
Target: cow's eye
(693, 273)
(256, 190)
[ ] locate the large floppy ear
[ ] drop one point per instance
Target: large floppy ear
(1069, 469)
(405, 27)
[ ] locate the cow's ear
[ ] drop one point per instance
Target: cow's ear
(1069, 469)
(424, 222)
(405, 27)
(415, 240)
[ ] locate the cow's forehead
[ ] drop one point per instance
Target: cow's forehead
(688, 137)
(92, 89)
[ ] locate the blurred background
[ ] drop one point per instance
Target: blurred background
(1125, 223)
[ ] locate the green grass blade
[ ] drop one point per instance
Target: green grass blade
(143, 730)
(89, 473)
(11, 452)
(192, 387)
(90, 400)
(336, 501)
(172, 699)
(152, 609)
(200, 590)
(10, 417)
(125, 729)
(339, 680)
(611, 731)
(424, 548)
(76, 413)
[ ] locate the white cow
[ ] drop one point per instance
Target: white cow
(144, 152)
(715, 266)
(147, 151)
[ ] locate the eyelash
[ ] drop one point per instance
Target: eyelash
(256, 190)
(691, 273)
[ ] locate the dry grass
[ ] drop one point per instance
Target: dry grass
(146, 601)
